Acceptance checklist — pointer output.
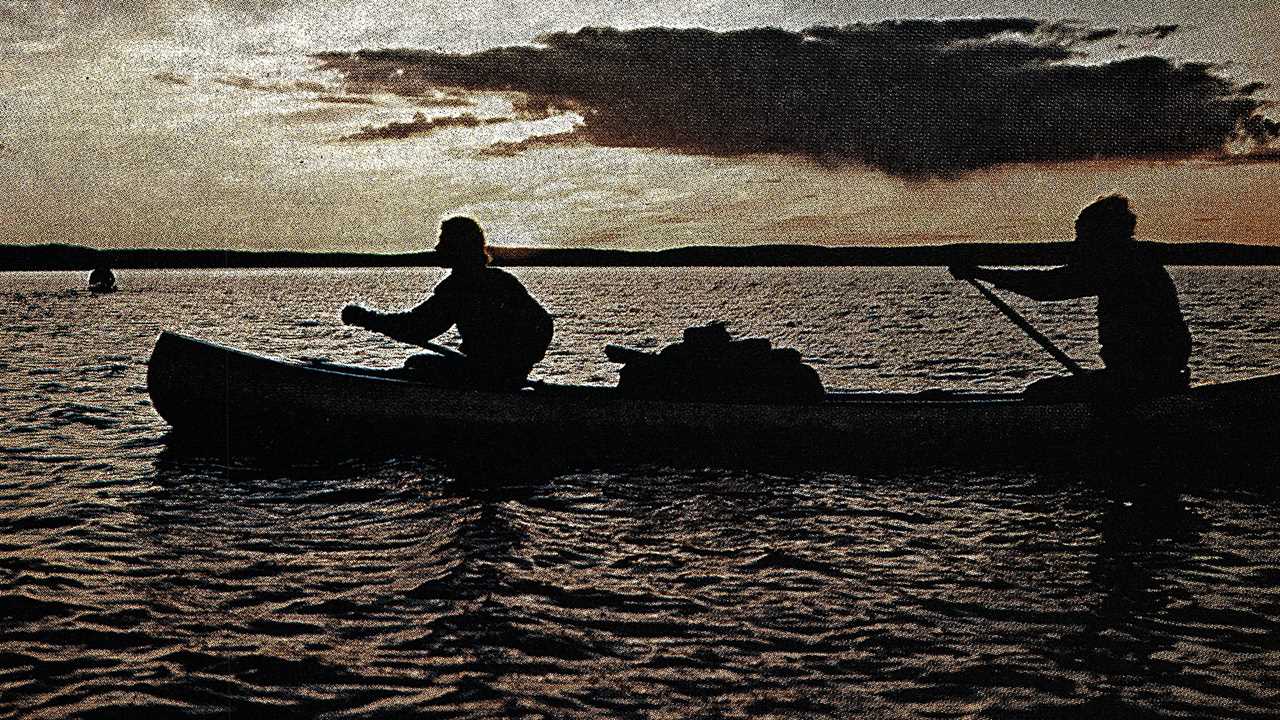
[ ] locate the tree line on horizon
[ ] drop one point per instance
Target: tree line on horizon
(75, 257)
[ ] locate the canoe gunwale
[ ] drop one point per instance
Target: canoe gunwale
(212, 393)
(542, 391)
(539, 390)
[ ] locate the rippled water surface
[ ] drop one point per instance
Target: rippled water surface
(137, 580)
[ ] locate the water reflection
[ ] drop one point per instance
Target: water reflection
(1141, 536)
(136, 580)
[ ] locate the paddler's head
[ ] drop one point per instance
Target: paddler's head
(461, 244)
(1104, 229)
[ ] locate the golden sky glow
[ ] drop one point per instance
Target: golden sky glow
(212, 125)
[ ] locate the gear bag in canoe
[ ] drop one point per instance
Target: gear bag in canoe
(710, 365)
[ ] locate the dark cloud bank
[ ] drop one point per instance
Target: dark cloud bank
(914, 98)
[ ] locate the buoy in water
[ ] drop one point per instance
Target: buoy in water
(102, 280)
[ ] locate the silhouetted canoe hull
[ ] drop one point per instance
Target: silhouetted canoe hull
(224, 395)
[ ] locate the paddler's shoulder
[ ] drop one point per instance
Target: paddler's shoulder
(489, 279)
(499, 278)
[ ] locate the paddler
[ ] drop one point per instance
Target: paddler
(1144, 339)
(503, 328)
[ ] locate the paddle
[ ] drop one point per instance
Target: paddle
(1027, 328)
(442, 350)
(447, 352)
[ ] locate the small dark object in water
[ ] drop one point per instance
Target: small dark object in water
(102, 280)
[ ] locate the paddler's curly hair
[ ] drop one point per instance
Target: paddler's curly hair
(1107, 218)
(462, 238)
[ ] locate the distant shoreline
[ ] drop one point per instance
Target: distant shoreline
(74, 257)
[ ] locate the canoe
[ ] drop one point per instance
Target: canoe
(224, 395)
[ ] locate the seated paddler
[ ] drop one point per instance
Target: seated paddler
(504, 330)
(1144, 340)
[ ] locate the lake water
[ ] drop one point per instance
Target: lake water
(136, 580)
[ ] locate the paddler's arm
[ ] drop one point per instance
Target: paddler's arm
(1061, 283)
(420, 325)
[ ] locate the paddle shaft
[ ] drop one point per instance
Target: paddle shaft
(442, 350)
(438, 349)
(1027, 328)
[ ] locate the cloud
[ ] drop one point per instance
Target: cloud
(1075, 32)
(506, 148)
(247, 83)
(443, 99)
(1259, 129)
(171, 78)
(420, 125)
(913, 98)
(1159, 32)
(1261, 156)
(346, 100)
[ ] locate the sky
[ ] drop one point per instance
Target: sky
(359, 125)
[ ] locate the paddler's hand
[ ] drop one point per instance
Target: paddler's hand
(963, 272)
(355, 315)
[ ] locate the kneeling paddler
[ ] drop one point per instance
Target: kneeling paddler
(504, 330)
(1145, 341)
